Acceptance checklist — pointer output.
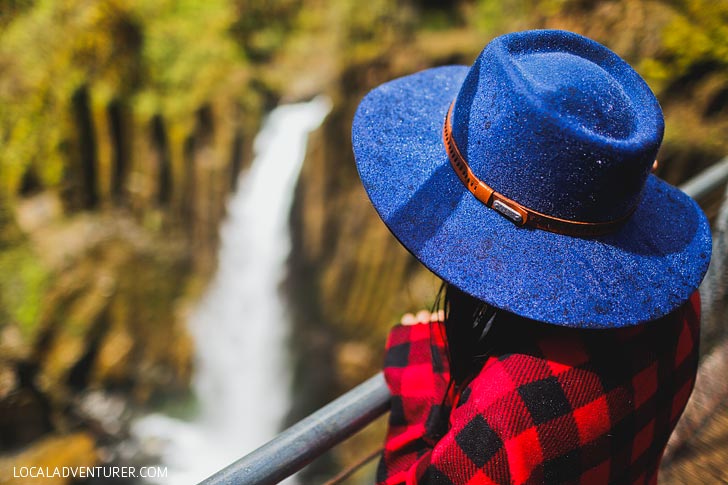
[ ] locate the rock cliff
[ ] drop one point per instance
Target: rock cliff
(124, 126)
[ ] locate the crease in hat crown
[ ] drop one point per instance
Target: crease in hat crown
(559, 124)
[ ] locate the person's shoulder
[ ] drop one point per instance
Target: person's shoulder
(548, 365)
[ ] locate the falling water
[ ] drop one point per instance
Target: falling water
(242, 380)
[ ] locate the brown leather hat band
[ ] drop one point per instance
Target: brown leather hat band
(512, 210)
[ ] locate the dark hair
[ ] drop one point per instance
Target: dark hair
(470, 338)
(467, 323)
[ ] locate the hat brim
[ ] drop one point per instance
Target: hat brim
(645, 270)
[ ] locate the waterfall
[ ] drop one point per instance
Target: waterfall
(240, 326)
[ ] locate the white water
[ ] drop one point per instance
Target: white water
(240, 327)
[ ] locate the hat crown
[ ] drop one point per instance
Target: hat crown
(558, 123)
(578, 91)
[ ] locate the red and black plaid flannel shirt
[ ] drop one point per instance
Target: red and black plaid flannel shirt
(561, 406)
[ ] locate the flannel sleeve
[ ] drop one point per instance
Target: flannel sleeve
(584, 407)
(416, 371)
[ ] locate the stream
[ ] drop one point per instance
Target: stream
(240, 326)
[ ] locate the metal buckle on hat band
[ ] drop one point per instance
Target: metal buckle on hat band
(512, 210)
(509, 212)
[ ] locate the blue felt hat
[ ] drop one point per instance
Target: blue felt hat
(525, 181)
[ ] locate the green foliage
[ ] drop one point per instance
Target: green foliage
(489, 14)
(188, 54)
(9, 9)
(22, 287)
(45, 55)
(262, 26)
(167, 56)
(375, 30)
(694, 40)
(495, 17)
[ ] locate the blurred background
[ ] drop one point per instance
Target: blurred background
(169, 284)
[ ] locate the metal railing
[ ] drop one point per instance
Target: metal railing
(300, 444)
(707, 181)
(303, 442)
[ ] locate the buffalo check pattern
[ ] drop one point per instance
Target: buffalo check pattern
(554, 405)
